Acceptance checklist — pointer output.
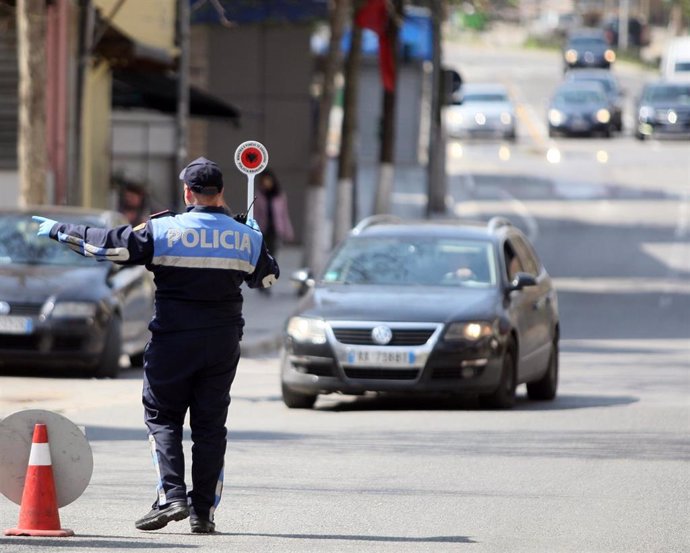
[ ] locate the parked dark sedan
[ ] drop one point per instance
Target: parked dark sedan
(664, 109)
(579, 108)
(64, 311)
(610, 84)
(587, 48)
(438, 307)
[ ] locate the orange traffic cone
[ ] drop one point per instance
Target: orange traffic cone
(38, 514)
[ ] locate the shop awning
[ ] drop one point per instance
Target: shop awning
(158, 91)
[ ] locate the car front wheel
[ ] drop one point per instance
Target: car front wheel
(504, 396)
(545, 388)
(296, 400)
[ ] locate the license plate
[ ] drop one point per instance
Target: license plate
(16, 325)
(381, 358)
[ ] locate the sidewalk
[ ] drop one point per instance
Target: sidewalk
(265, 314)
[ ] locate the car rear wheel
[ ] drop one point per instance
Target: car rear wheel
(109, 364)
(504, 396)
(297, 400)
(545, 388)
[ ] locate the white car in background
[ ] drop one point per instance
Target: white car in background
(481, 109)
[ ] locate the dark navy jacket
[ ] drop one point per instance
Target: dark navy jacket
(199, 260)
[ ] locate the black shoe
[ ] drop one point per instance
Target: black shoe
(201, 525)
(158, 517)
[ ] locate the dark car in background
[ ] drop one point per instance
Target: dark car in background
(587, 48)
(664, 110)
(610, 84)
(579, 108)
(59, 310)
(425, 307)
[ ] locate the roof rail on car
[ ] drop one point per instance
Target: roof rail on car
(374, 220)
(498, 222)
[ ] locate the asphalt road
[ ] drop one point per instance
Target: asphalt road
(603, 468)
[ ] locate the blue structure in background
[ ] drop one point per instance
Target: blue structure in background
(416, 38)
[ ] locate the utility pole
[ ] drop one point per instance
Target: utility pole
(436, 174)
(384, 186)
(345, 206)
(31, 146)
(623, 19)
(182, 119)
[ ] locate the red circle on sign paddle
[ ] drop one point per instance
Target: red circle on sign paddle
(251, 157)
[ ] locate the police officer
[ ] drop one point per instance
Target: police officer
(199, 260)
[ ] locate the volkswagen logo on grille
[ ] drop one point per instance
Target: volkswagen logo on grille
(4, 308)
(382, 335)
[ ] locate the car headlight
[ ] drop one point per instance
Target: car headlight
(455, 118)
(506, 118)
(467, 331)
(672, 117)
(603, 116)
(311, 331)
(571, 56)
(556, 117)
(73, 310)
(610, 56)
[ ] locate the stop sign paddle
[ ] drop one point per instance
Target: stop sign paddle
(251, 158)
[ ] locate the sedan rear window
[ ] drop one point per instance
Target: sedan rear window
(404, 261)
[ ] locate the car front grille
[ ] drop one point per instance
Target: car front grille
(446, 373)
(19, 343)
(401, 337)
(373, 373)
(36, 343)
(25, 309)
(320, 369)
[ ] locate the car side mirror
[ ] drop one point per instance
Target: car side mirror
(303, 280)
(522, 280)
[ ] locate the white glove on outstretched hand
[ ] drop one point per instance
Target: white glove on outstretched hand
(45, 225)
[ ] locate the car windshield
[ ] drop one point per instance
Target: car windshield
(485, 97)
(410, 261)
(580, 97)
(669, 93)
(587, 42)
(606, 83)
(20, 245)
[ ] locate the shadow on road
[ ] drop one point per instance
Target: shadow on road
(407, 403)
(345, 537)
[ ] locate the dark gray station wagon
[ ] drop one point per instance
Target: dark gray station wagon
(437, 307)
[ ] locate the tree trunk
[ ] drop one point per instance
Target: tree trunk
(317, 238)
(384, 187)
(31, 146)
(436, 174)
(345, 207)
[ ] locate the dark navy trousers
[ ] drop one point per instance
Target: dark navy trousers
(190, 370)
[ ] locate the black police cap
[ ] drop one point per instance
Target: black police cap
(203, 176)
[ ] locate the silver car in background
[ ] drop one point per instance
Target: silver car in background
(481, 109)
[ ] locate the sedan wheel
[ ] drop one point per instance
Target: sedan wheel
(504, 396)
(296, 400)
(546, 387)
